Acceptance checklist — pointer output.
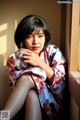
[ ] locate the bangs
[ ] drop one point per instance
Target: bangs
(34, 27)
(34, 30)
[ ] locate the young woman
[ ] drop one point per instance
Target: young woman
(36, 72)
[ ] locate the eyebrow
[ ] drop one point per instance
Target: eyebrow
(40, 33)
(37, 33)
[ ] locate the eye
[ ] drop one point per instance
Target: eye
(29, 36)
(41, 35)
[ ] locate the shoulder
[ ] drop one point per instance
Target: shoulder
(52, 48)
(16, 53)
(54, 52)
(11, 58)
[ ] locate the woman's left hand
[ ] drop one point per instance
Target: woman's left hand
(31, 57)
(34, 59)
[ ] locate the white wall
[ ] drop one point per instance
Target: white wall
(11, 12)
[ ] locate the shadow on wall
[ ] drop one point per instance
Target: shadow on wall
(4, 86)
(6, 48)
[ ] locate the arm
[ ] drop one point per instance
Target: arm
(11, 71)
(49, 71)
(14, 68)
(33, 59)
(55, 67)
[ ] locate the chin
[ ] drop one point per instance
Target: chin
(37, 52)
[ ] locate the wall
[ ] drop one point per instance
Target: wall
(74, 86)
(75, 113)
(11, 12)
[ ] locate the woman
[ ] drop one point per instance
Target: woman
(36, 72)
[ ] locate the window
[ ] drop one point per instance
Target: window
(75, 38)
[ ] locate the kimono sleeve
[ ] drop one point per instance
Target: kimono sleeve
(58, 66)
(11, 70)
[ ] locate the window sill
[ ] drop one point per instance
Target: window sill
(76, 75)
(74, 86)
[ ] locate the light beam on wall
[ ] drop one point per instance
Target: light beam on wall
(3, 27)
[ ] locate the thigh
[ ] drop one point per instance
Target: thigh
(25, 81)
(33, 100)
(32, 106)
(32, 97)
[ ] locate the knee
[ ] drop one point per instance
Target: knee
(25, 80)
(24, 77)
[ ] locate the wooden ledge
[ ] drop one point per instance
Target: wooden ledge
(74, 86)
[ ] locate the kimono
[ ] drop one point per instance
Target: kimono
(50, 94)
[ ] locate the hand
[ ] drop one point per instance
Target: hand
(31, 57)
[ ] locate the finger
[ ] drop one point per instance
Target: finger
(26, 54)
(25, 57)
(26, 50)
(27, 61)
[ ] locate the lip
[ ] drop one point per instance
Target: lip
(36, 48)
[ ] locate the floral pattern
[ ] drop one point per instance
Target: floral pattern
(50, 94)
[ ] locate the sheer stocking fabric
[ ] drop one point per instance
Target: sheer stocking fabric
(18, 96)
(32, 106)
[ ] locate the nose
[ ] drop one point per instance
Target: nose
(35, 41)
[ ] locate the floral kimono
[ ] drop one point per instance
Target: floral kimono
(50, 94)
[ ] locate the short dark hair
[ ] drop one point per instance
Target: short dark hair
(27, 25)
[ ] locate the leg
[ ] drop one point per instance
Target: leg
(18, 96)
(32, 106)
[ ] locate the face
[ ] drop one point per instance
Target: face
(35, 41)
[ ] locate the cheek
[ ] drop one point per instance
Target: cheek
(43, 42)
(27, 43)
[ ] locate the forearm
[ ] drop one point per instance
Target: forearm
(49, 71)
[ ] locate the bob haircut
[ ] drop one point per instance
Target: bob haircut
(26, 26)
